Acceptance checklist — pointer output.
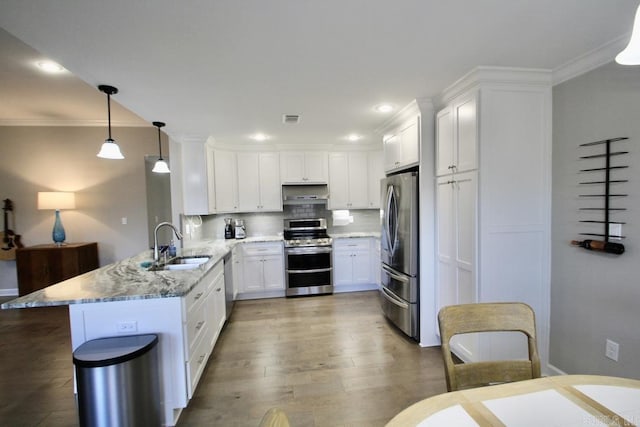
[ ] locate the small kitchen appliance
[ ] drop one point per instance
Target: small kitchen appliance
(229, 229)
(240, 231)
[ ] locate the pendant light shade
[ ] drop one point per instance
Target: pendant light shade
(631, 54)
(160, 166)
(110, 149)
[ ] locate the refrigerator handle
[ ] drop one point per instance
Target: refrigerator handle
(393, 299)
(391, 219)
(394, 275)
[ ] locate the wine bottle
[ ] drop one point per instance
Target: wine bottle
(599, 245)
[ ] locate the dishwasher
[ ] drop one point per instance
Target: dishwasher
(228, 284)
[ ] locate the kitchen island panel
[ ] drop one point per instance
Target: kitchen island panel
(161, 316)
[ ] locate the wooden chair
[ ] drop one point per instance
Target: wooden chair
(274, 417)
(488, 317)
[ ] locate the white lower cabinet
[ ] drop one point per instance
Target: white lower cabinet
(352, 260)
(187, 329)
(262, 269)
(375, 260)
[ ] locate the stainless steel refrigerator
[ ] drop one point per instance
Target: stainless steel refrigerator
(399, 287)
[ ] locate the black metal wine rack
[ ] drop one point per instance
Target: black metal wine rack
(606, 195)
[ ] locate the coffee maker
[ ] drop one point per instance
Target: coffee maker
(229, 229)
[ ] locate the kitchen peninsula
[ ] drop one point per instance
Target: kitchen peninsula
(186, 308)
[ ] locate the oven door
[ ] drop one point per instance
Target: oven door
(309, 271)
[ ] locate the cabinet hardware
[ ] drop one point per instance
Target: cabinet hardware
(199, 325)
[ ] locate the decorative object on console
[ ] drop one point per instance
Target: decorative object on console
(631, 54)
(10, 240)
(110, 149)
(160, 166)
(603, 245)
(57, 200)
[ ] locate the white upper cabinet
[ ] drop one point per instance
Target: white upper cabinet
(198, 179)
(226, 181)
(303, 167)
(401, 143)
(259, 183)
(376, 173)
(391, 145)
(444, 142)
(457, 136)
(348, 181)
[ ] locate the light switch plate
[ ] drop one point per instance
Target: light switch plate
(611, 350)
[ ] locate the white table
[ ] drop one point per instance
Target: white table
(568, 400)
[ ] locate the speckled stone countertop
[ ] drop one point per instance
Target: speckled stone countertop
(359, 234)
(128, 280)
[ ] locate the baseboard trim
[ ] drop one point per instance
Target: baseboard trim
(10, 292)
(554, 370)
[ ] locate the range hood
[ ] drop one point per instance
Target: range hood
(304, 194)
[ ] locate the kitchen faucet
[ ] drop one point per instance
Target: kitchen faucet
(156, 254)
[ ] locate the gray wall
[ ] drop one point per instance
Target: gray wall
(595, 296)
(64, 159)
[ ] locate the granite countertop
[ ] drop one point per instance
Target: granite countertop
(128, 280)
(354, 235)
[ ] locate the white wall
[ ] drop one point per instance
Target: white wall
(64, 159)
(595, 296)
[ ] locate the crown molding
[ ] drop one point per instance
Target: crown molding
(500, 75)
(413, 109)
(590, 60)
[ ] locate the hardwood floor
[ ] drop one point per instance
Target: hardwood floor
(327, 361)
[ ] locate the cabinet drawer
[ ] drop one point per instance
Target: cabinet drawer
(196, 326)
(257, 249)
(195, 298)
(199, 293)
(351, 245)
(196, 363)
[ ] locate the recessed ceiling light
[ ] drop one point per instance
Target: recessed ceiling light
(354, 137)
(259, 137)
(384, 108)
(50, 67)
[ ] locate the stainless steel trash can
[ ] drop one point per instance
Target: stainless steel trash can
(117, 381)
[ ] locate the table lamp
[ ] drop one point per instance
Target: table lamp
(57, 200)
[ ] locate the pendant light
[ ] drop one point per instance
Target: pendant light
(110, 149)
(631, 54)
(160, 166)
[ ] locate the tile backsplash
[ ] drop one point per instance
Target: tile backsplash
(271, 223)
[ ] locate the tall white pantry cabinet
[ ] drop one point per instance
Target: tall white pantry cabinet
(493, 197)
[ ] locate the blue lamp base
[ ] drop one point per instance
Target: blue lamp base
(58, 233)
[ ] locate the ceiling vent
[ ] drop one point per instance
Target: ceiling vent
(290, 119)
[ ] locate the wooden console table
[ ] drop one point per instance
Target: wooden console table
(43, 265)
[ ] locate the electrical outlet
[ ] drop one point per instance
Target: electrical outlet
(611, 350)
(127, 327)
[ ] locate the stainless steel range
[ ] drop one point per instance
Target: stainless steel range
(308, 257)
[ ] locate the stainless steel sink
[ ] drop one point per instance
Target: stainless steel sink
(182, 263)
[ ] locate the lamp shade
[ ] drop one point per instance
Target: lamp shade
(56, 200)
(110, 150)
(161, 167)
(631, 54)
